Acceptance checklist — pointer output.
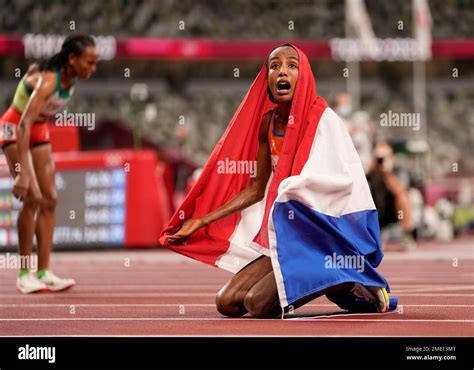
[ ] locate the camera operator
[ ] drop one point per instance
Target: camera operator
(390, 196)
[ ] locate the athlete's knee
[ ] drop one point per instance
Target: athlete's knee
(228, 303)
(32, 202)
(261, 306)
(49, 202)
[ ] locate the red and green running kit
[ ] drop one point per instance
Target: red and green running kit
(39, 130)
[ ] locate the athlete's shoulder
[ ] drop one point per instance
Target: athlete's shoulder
(49, 77)
(43, 82)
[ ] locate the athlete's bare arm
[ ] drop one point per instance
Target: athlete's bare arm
(248, 196)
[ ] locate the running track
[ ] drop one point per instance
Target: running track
(159, 293)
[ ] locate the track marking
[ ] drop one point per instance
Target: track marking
(206, 287)
(118, 295)
(433, 295)
(386, 321)
(226, 319)
(436, 289)
(212, 290)
(213, 336)
(108, 305)
(144, 286)
(33, 305)
(220, 336)
(71, 295)
(193, 285)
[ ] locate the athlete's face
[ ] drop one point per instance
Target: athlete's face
(283, 73)
(84, 65)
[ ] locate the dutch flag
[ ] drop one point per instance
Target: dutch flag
(318, 221)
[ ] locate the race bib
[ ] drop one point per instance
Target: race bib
(7, 131)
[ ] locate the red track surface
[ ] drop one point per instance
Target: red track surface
(162, 293)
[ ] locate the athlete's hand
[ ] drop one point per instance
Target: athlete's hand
(20, 188)
(185, 231)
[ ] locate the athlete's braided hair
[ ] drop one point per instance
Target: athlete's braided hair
(74, 44)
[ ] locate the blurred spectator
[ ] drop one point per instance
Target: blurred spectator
(390, 196)
(342, 105)
(359, 125)
(193, 179)
(445, 229)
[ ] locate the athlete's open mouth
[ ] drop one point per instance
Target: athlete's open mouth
(283, 87)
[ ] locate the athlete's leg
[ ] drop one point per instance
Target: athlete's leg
(44, 167)
(262, 300)
(230, 299)
(26, 215)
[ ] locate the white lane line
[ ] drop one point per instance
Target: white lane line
(220, 336)
(177, 287)
(132, 319)
(435, 289)
(143, 287)
(385, 321)
(429, 279)
(33, 305)
(173, 292)
(71, 295)
(432, 295)
(118, 295)
(226, 319)
(406, 288)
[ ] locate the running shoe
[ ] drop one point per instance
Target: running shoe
(407, 243)
(29, 283)
(373, 294)
(55, 283)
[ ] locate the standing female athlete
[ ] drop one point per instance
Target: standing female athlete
(253, 289)
(42, 92)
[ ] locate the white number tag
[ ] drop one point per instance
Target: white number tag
(7, 131)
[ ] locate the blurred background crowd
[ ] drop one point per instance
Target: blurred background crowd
(227, 18)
